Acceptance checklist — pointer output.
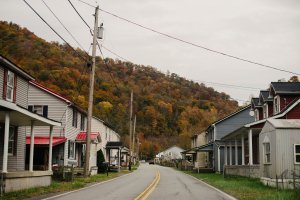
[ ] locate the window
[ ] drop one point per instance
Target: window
(297, 153)
(265, 111)
(82, 122)
(12, 141)
(276, 105)
(71, 150)
(39, 109)
(74, 120)
(10, 86)
(267, 153)
(106, 133)
(256, 112)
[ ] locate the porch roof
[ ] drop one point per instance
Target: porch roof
(114, 145)
(44, 140)
(81, 137)
(206, 147)
(189, 151)
(20, 116)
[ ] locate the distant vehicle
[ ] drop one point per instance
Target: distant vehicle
(151, 162)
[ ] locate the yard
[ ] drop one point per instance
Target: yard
(244, 188)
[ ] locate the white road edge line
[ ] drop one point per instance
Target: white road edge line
(229, 196)
(66, 193)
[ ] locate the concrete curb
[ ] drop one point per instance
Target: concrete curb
(220, 191)
(87, 187)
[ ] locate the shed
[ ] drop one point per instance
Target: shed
(279, 141)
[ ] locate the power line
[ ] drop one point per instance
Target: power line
(63, 26)
(107, 67)
(197, 45)
(228, 85)
(80, 15)
(110, 73)
(79, 82)
(115, 54)
(54, 30)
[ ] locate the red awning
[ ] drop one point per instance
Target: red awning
(44, 140)
(82, 136)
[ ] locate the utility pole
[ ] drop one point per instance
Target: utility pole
(130, 130)
(91, 94)
(133, 135)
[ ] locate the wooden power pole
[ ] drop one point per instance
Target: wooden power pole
(133, 135)
(130, 131)
(91, 94)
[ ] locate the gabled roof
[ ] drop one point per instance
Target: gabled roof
(264, 94)
(285, 123)
(286, 87)
(13, 67)
(254, 102)
(40, 86)
(230, 115)
(287, 109)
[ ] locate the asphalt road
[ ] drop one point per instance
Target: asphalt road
(172, 185)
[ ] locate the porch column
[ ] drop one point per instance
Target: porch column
(236, 152)
(31, 147)
(230, 153)
(119, 159)
(219, 159)
(250, 147)
(225, 154)
(243, 150)
(5, 146)
(50, 149)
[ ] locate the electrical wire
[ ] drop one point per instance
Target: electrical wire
(109, 70)
(107, 67)
(64, 26)
(228, 85)
(197, 45)
(78, 54)
(115, 54)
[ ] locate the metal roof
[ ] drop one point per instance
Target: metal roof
(82, 136)
(285, 123)
(44, 140)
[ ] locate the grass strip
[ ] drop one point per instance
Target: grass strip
(245, 188)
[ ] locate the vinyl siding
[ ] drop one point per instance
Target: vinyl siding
(71, 131)
(56, 110)
(285, 140)
(232, 123)
(1, 81)
(22, 92)
(268, 170)
(16, 162)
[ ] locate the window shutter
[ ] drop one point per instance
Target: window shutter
(5, 84)
(15, 141)
(30, 108)
(45, 111)
(15, 89)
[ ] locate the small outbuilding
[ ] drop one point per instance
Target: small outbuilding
(279, 141)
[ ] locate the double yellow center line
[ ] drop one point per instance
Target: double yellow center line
(144, 195)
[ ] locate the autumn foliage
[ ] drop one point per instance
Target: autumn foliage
(169, 108)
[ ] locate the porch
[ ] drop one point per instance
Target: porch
(13, 121)
(246, 139)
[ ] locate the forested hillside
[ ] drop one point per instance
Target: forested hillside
(169, 108)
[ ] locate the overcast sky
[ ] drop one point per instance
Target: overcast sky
(264, 31)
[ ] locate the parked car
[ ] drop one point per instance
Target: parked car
(151, 162)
